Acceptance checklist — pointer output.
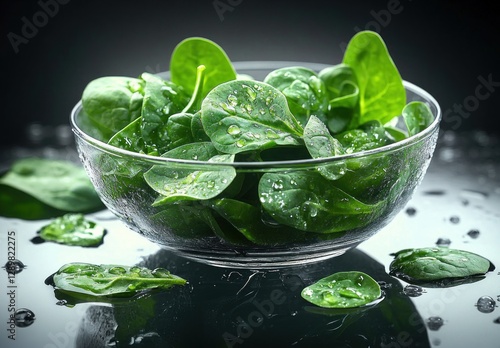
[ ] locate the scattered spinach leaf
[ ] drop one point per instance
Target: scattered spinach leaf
(436, 264)
(111, 280)
(343, 290)
(59, 184)
(73, 229)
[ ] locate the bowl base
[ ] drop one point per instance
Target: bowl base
(249, 260)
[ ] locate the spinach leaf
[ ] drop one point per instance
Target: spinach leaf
(321, 144)
(417, 116)
(303, 89)
(73, 229)
(20, 205)
(248, 220)
(197, 130)
(381, 92)
(177, 183)
(112, 102)
(130, 139)
(367, 136)
(244, 115)
(435, 264)
(307, 201)
(343, 95)
(112, 280)
(192, 52)
(343, 290)
(162, 98)
(186, 219)
(179, 130)
(60, 184)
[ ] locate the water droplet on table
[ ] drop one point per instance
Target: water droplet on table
(473, 233)
(14, 267)
(24, 317)
(411, 211)
(413, 290)
(485, 304)
(435, 323)
(443, 242)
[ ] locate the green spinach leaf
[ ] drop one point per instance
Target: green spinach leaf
(192, 52)
(245, 115)
(343, 95)
(112, 280)
(60, 184)
(321, 144)
(307, 201)
(73, 229)
(112, 102)
(248, 220)
(303, 89)
(343, 290)
(179, 129)
(435, 264)
(417, 116)
(162, 98)
(381, 92)
(177, 183)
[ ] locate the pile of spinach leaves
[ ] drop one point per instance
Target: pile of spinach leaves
(207, 112)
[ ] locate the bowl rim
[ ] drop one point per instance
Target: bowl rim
(266, 65)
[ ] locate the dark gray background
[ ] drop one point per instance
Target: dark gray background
(446, 48)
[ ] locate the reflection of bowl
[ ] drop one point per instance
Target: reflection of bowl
(323, 218)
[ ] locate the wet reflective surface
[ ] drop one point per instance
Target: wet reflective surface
(457, 205)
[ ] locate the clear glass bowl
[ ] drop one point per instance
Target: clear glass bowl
(378, 184)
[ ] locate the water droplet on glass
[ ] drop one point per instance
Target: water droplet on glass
(443, 242)
(233, 130)
(497, 320)
(434, 323)
(24, 317)
(413, 290)
(454, 219)
(485, 304)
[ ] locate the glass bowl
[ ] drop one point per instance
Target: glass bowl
(322, 219)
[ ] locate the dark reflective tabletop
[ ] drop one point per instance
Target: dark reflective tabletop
(458, 203)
